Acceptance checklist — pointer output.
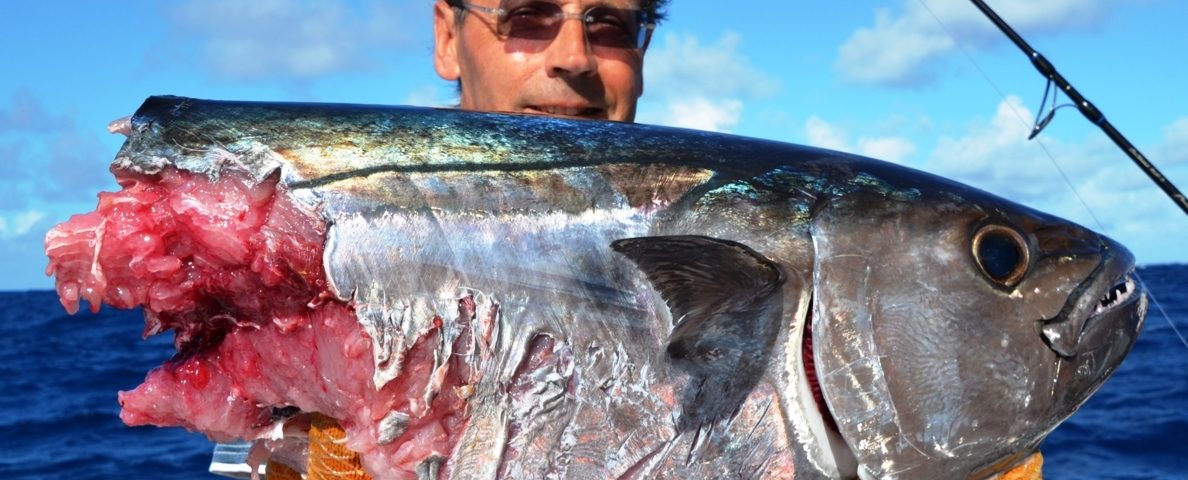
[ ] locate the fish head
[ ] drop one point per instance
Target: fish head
(953, 330)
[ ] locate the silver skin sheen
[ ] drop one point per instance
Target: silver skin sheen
(673, 275)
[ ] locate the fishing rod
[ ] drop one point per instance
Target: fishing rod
(1087, 109)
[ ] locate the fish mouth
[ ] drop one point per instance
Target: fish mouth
(1099, 329)
(1105, 301)
(1118, 296)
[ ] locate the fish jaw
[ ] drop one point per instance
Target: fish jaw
(1096, 329)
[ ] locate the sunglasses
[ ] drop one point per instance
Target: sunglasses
(621, 28)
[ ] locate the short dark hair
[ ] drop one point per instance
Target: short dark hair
(658, 8)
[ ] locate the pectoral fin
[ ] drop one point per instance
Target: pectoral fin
(726, 301)
(698, 276)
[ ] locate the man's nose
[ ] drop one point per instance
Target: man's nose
(570, 54)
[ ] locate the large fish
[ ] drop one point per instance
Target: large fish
(479, 295)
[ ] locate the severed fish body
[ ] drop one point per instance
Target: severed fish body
(478, 295)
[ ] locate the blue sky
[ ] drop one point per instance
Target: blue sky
(925, 83)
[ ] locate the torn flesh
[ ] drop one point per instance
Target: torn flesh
(233, 268)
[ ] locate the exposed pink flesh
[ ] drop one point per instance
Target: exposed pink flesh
(235, 270)
(122, 126)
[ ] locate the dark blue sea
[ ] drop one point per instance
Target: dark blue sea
(60, 375)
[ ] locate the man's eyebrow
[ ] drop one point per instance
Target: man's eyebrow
(620, 4)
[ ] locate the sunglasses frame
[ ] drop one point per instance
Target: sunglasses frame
(646, 26)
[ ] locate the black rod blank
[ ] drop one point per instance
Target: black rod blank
(1087, 108)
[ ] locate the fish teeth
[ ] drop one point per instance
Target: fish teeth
(1116, 295)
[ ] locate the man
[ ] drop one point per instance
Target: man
(527, 56)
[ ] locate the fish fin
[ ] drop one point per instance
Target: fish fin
(726, 301)
(699, 275)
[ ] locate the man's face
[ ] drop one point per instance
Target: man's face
(563, 75)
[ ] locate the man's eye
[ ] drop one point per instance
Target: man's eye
(533, 11)
(532, 21)
(523, 12)
(607, 21)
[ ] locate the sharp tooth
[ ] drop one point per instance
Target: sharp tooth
(1116, 294)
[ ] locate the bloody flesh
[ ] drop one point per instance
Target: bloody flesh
(234, 269)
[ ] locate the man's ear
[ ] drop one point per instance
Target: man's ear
(445, 42)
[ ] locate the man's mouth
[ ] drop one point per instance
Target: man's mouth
(567, 111)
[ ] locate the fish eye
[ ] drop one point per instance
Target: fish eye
(1001, 253)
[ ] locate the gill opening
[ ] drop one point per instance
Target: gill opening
(1091, 113)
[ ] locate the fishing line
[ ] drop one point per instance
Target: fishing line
(1036, 127)
(1162, 312)
(1016, 113)
(1090, 111)
(1041, 123)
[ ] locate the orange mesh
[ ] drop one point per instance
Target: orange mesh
(328, 457)
(280, 471)
(1030, 469)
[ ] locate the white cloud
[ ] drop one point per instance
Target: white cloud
(49, 159)
(1103, 191)
(15, 225)
(904, 47)
(683, 66)
(53, 169)
(1174, 148)
(43, 152)
(995, 155)
(821, 133)
(980, 152)
(434, 95)
(892, 149)
(702, 86)
(249, 40)
(893, 52)
(704, 114)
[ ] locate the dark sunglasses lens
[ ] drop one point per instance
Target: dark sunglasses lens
(541, 20)
(613, 27)
(530, 20)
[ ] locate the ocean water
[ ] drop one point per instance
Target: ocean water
(60, 374)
